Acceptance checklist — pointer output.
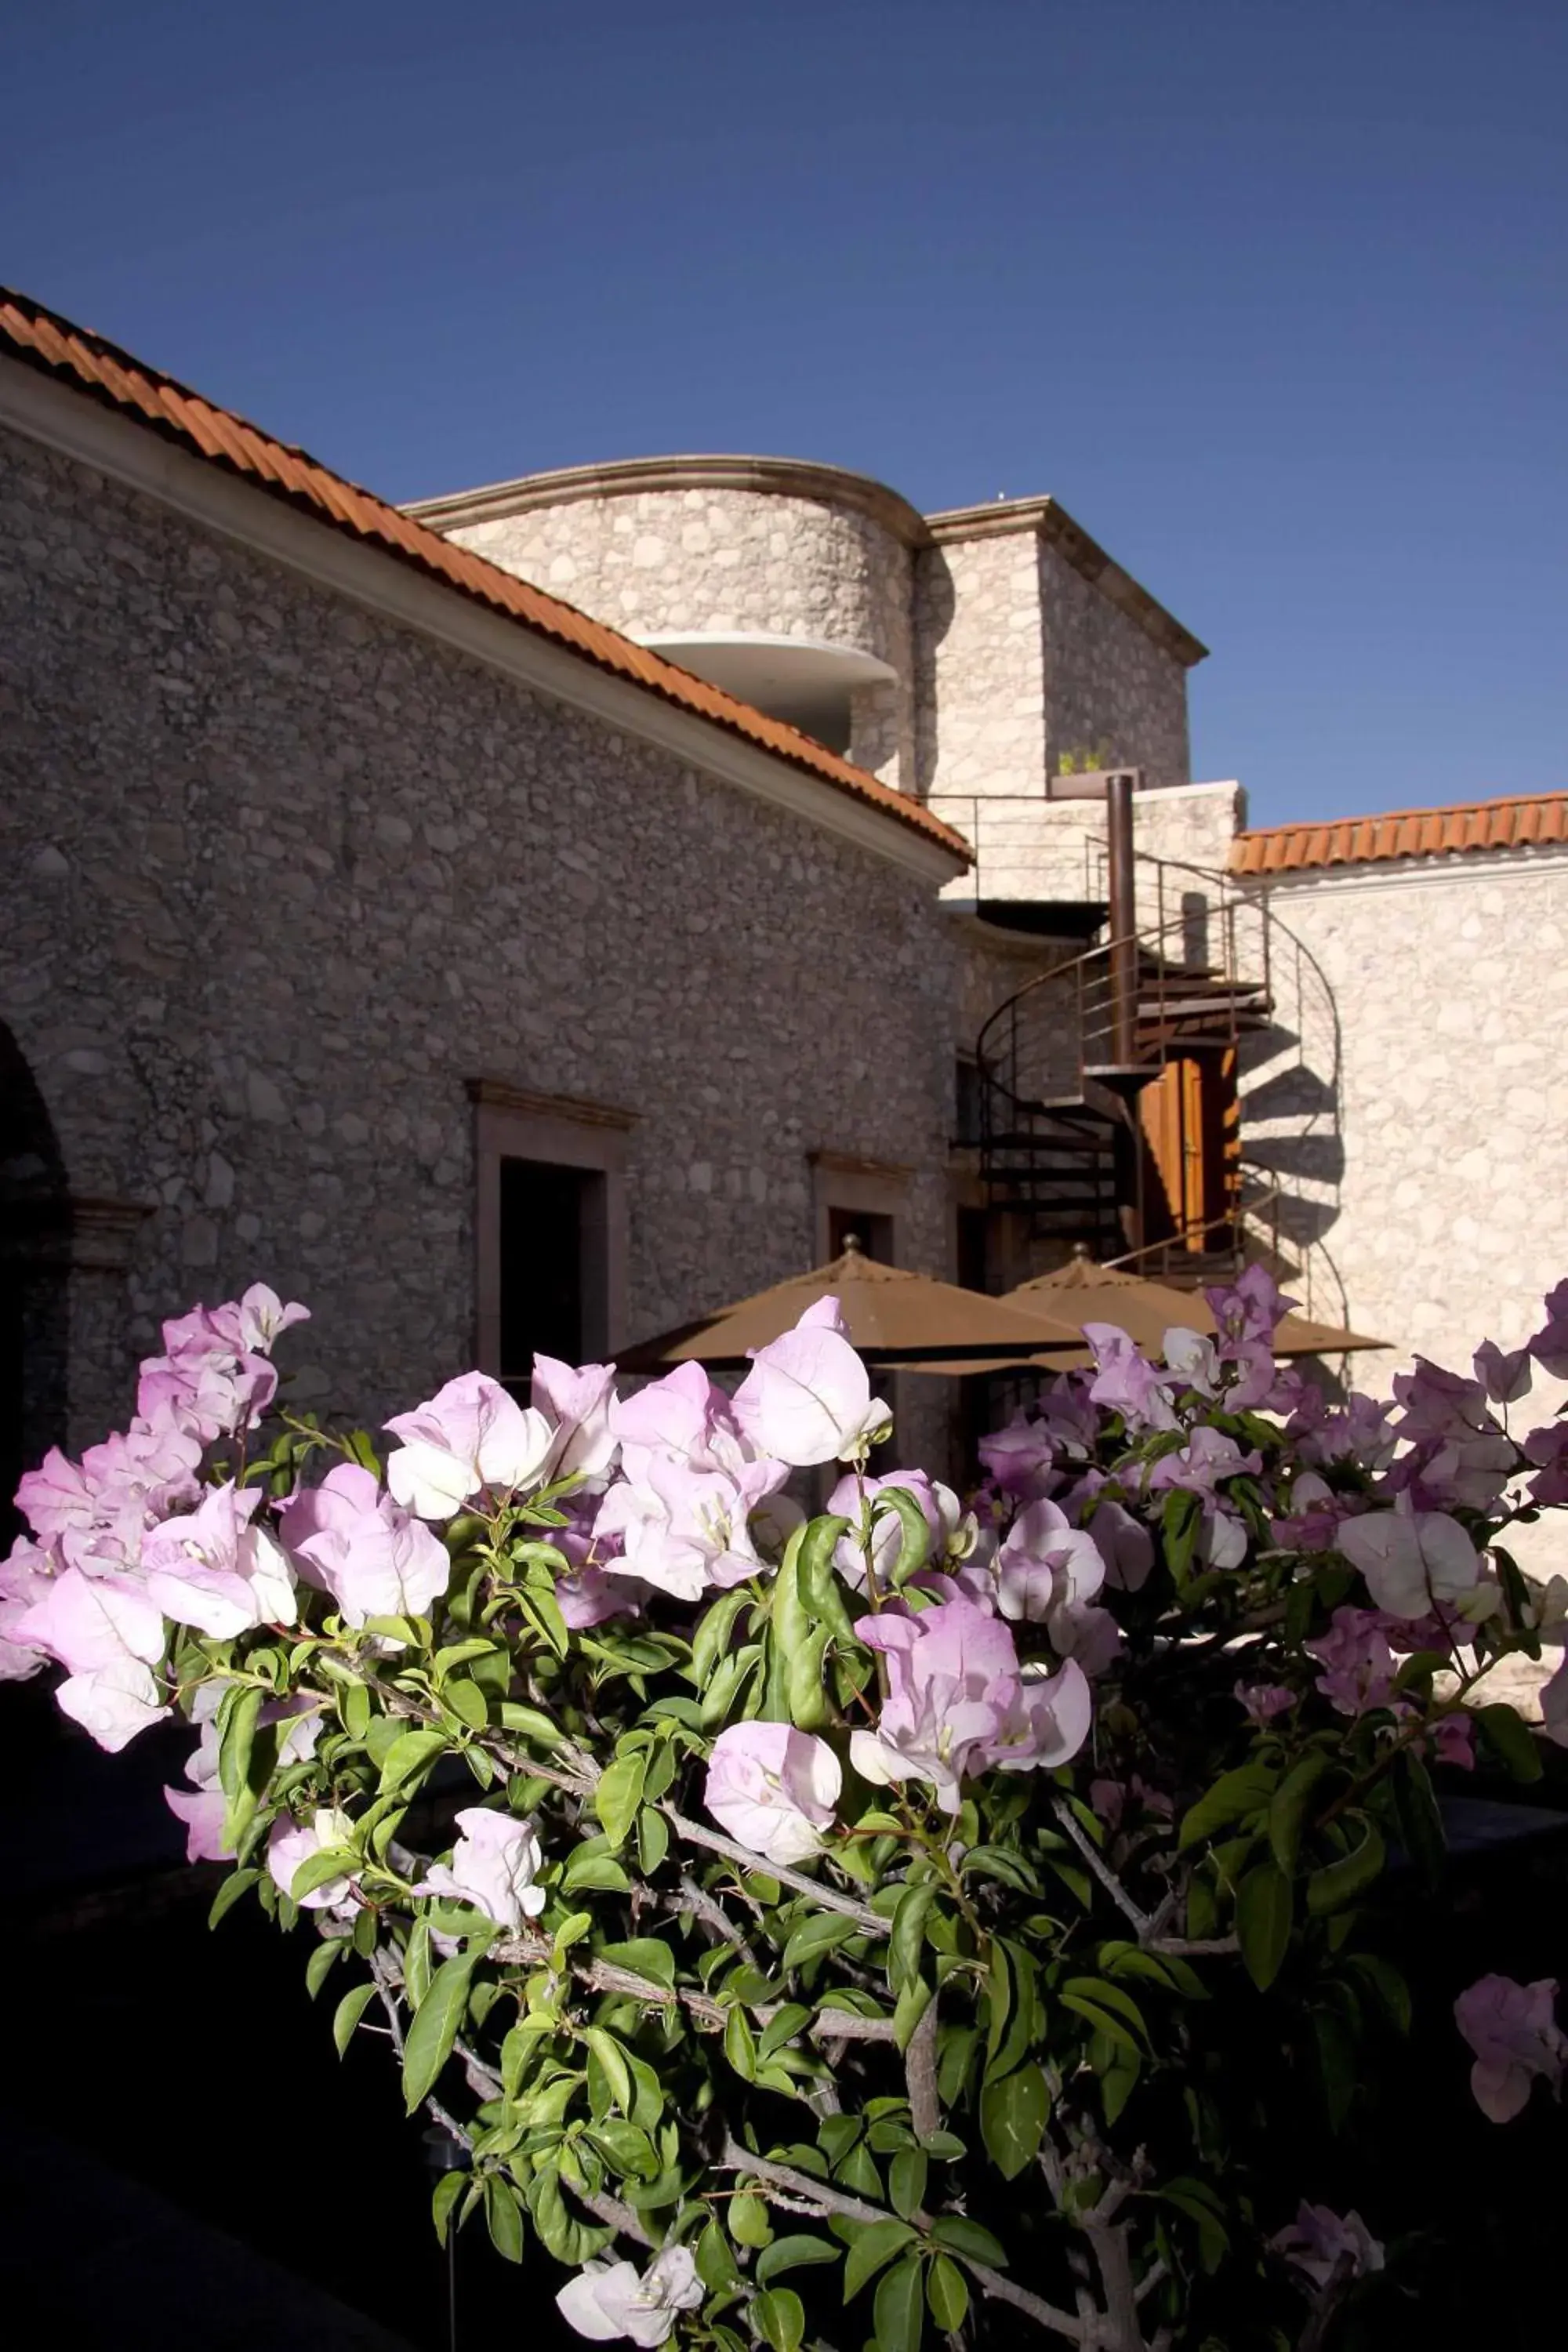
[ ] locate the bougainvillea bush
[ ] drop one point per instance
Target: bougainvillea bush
(907, 1921)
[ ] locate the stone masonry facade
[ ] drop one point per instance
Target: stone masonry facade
(280, 876)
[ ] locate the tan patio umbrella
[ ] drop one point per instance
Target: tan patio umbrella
(1085, 1292)
(889, 1312)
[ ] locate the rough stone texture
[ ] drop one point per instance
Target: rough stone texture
(651, 562)
(1107, 682)
(1021, 661)
(277, 876)
(1426, 1177)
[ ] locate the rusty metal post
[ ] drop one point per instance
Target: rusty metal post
(1123, 921)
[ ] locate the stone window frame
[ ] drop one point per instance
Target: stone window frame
(849, 1181)
(513, 1122)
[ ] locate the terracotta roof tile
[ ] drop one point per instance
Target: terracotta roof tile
(1513, 823)
(45, 340)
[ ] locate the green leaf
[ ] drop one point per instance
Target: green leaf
(436, 2025)
(618, 1795)
(320, 1961)
(229, 1892)
(349, 2012)
(739, 2046)
(469, 1704)
(1340, 1882)
(915, 1548)
(1510, 1740)
(1013, 2119)
(962, 2236)
(1103, 2022)
(793, 2254)
(239, 1712)
(644, 1955)
(591, 1867)
(715, 2263)
(906, 1940)
(900, 2307)
(410, 1756)
(319, 1869)
(353, 1702)
(1288, 1809)
(1264, 1908)
(1234, 1797)
(781, 2315)
(443, 2197)
(1420, 1821)
(530, 1721)
(748, 2222)
(612, 2058)
(820, 1591)
(714, 1631)
(821, 1932)
(907, 2182)
(874, 2246)
(503, 2214)
(653, 1840)
(947, 2295)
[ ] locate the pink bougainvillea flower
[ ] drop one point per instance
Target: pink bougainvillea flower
(1550, 1344)
(469, 1436)
(1328, 2245)
(25, 1578)
(1123, 1543)
(1263, 1701)
(577, 1402)
(1554, 1707)
(958, 1701)
(1045, 1565)
(1021, 1457)
(1454, 1740)
(1504, 1374)
(1411, 1559)
(108, 1634)
(292, 1844)
(607, 2300)
(939, 1508)
(493, 1867)
(1126, 1383)
(201, 1812)
(808, 1397)
(1515, 2037)
(1358, 1664)
(212, 1568)
(351, 1540)
(683, 1529)
(773, 1788)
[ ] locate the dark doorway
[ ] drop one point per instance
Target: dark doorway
(553, 1266)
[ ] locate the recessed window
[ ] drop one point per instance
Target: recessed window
(874, 1233)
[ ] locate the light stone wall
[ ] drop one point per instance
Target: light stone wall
(1021, 660)
(1055, 850)
(651, 562)
(278, 876)
(1106, 681)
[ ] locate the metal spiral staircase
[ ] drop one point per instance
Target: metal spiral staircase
(1066, 1063)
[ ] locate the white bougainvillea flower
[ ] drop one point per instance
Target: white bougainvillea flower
(493, 1866)
(808, 1397)
(773, 1788)
(607, 2300)
(212, 1568)
(293, 1843)
(469, 1437)
(1411, 1559)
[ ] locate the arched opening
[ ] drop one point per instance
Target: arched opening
(35, 1236)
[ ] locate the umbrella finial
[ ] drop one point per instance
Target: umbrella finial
(853, 1245)
(1080, 1253)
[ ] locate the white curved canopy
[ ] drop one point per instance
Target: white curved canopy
(806, 681)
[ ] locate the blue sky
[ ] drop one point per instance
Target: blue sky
(1270, 294)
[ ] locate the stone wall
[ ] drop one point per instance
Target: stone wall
(653, 563)
(278, 876)
(1443, 1212)
(1108, 683)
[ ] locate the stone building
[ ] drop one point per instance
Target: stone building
(538, 915)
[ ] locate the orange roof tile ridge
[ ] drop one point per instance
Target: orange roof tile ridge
(1507, 820)
(43, 337)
